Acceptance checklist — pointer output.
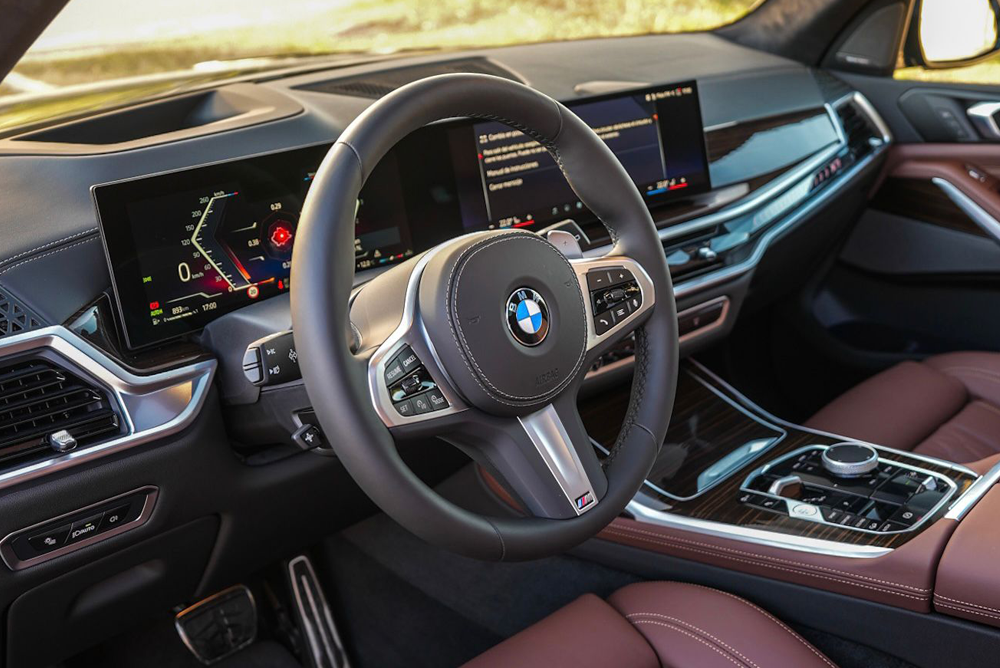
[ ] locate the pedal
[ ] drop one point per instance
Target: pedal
(220, 625)
(325, 647)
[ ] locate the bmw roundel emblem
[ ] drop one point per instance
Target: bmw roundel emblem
(527, 317)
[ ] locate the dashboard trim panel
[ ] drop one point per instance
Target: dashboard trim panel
(153, 406)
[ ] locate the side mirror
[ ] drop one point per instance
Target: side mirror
(952, 33)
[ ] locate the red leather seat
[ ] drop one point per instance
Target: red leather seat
(654, 624)
(947, 406)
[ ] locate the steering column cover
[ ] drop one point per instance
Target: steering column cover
(322, 272)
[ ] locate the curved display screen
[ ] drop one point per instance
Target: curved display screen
(188, 246)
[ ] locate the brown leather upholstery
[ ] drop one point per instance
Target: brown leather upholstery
(947, 406)
(656, 624)
(966, 584)
(903, 578)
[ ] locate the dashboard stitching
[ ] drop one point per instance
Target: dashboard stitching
(39, 257)
(48, 245)
(463, 347)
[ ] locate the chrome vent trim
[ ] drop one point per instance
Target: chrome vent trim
(148, 407)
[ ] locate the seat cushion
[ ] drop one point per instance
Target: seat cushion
(946, 406)
(657, 624)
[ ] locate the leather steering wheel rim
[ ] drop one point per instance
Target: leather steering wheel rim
(337, 379)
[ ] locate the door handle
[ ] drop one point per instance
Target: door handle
(984, 116)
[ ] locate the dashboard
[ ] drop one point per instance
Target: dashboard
(188, 246)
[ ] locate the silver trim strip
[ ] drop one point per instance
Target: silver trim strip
(152, 407)
(794, 178)
(644, 513)
(973, 494)
(317, 613)
(548, 434)
(712, 326)
(15, 563)
(969, 207)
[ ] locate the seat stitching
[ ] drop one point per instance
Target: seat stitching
(691, 635)
(773, 619)
(767, 557)
(840, 580)
(974, 605)
(967, 611)
(735, 651)
(970, 369)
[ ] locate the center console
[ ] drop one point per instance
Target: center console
(734, 486)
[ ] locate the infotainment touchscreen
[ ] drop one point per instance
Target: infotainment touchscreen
(187, 246)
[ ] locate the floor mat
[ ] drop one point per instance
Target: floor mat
(400, 601)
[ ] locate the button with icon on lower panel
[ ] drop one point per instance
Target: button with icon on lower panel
(84, 528)
(114, 517)
(50, 539)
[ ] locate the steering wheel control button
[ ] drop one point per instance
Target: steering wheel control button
(393, 371)
(527, 317)
(437, 400)
(850, 460)
(411, 384)
(407, 359)
(598, 279)
(619, 275)
(405, 408)
(309, 437)
(421, 404)
(50, 539)
(85, 528)
(603, 322)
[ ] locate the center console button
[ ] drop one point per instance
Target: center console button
(906, 516)
(804, 510)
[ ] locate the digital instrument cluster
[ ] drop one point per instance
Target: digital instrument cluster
(185, 247)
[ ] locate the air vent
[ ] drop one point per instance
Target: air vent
(374, 85)
(862, 135)
(38, 398)
(14, 316)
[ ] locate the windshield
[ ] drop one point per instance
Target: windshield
(94, 41)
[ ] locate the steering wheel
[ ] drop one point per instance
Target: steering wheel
(484, 340)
